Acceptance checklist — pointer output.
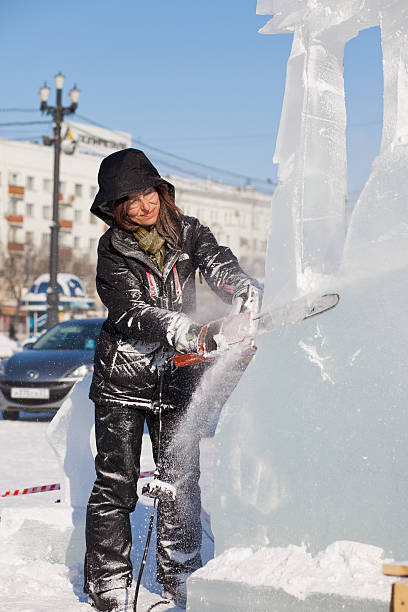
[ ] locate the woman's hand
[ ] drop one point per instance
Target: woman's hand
(247, 298)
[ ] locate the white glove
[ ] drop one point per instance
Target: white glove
(247, 298)
(186, 338)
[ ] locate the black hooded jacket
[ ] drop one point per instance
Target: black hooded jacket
(147, 307)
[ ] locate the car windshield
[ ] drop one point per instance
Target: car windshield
(72, 336)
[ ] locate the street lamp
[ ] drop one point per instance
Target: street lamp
(58, 113)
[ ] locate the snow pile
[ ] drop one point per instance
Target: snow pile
(345, 568)
(7, 347)
(50, 586)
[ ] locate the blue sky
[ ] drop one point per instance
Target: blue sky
(192, 78)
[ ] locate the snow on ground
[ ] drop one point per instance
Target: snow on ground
(36, 585)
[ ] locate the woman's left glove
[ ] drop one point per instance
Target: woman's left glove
(197, 338)
(186, 338)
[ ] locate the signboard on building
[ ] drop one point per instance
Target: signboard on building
(91, 139)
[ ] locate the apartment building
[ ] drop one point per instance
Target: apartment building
(26, 191)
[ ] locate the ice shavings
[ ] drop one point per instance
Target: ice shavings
(346, 568)
(355, 356)
(310, 282)
(315, 358)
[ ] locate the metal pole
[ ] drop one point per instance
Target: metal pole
(53, 294)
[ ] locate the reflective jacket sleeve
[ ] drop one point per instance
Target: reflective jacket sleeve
(219, 266)
(122, 294)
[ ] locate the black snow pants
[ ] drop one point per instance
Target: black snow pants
(119, 432)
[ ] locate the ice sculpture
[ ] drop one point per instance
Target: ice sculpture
(311, 486)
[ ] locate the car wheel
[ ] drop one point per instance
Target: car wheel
(10, 415)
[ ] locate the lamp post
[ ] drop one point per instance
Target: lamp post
(58, 113)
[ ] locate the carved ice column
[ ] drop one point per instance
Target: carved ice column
(308, 221)
(378, 233)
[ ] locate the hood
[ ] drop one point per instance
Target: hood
(50, 365)
(122, 173)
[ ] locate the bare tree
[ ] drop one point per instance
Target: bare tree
(17, 271)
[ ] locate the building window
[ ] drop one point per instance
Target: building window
(92, 244)
(92, 191)
(12, 234)
(77, 242)
(13, 178)
(78, 190)
(45, 239)
(92, 219)
(14, 207)
(77, 215)
(29, 238)
(243, 242)
(46, 212)
(30, 183)
(30, 210)
(62, 187)
(47, 185)
(65, 240)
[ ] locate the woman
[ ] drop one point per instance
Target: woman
(146, 279)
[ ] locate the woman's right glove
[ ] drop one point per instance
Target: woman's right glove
(248, 298)
(213, 336)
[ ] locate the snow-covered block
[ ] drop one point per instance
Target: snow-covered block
(71, 434)
(345, 576)
(55, 534)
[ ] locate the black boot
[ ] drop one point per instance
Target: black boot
(175, 591)
(114, 600)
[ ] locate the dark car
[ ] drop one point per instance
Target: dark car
(39, 378)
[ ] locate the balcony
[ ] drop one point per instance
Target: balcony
(16, 190)
(17, 219)
(65, 199)
(15, 247)
(65, 223)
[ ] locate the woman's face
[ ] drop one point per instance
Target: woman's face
(144, 207)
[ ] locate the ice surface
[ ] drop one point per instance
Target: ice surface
(311, 447)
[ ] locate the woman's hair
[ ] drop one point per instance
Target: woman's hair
(168, 221)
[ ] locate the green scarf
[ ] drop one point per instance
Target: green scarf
(151, 243)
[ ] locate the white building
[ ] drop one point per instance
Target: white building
(238, 217)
